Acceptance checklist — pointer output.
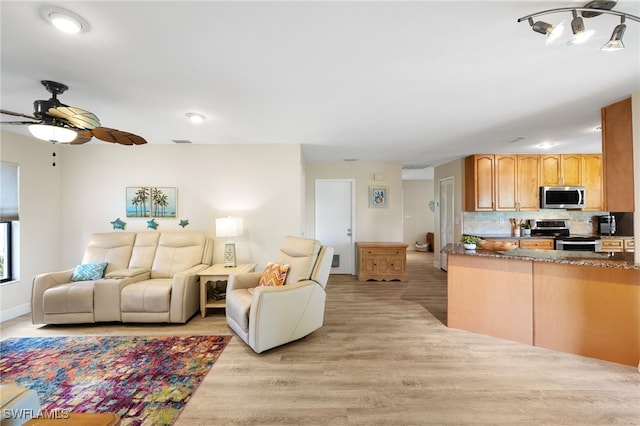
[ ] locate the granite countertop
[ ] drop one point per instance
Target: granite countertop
(543, 237)
(586, 258)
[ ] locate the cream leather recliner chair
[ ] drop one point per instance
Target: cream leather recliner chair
(266, 317)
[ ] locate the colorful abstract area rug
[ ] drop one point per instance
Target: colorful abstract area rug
(146, 380)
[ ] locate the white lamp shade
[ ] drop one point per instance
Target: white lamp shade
(50, 133)
(229, 226)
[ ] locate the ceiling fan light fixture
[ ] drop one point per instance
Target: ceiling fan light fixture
(47, 132)
(64, 20)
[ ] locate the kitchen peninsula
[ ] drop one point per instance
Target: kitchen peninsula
(584, 303)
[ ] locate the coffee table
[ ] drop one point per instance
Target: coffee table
(216, 274)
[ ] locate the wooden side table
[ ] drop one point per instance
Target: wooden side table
(382, 261)
(216, 273)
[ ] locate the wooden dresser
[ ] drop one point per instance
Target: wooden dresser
(382, 261)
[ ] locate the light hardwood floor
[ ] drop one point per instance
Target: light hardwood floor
(386, 357)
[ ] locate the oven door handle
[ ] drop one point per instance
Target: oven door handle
(576, 243)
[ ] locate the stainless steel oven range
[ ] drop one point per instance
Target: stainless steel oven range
(564, 240)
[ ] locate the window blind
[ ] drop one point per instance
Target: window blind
(9, 207)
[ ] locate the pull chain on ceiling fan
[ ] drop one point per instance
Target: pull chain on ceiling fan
(56, 122)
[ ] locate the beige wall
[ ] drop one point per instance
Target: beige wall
(418, 219)
(371, 224)
(61, 206)
(40, 216)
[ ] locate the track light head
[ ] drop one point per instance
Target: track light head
(577, 27)
(549, 30)
(615, 42)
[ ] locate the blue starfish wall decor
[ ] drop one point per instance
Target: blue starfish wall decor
(183, 222)
(118, 224)
(152, 224)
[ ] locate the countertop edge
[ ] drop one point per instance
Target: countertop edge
(619, 261)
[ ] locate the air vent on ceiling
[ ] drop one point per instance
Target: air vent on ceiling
(415, 166)
(181, 141)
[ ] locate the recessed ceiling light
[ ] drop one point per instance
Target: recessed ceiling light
(64, 20)
(546, 145)
(195, 117)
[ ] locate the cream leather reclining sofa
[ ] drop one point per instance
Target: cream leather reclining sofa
(150, 277)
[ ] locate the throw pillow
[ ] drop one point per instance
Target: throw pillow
(273, 275)
(89, 271)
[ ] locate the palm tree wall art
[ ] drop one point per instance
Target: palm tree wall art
(159, 202)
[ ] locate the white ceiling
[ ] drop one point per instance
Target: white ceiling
(419, 82)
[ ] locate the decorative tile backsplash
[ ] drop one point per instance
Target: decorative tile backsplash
(497, 223)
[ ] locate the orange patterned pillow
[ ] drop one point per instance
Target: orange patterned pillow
(273, 275)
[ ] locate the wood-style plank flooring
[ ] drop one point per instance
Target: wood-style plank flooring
(386, 357)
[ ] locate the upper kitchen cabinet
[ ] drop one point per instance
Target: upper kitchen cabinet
(501, 182)
(591, 179)
(528, 182)
(575, 170)
(617, 157)
(560, 169)
(478, 183)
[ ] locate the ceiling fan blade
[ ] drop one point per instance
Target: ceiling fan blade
(76, 117)
(117, 136)
(83, 137)
(19, 122)
(16, 114)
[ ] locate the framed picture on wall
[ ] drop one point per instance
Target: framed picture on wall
(164, 202)
(378, 196)
(152, 201)
(138, 201)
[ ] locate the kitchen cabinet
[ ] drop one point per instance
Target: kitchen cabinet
(617, 153)
(382, 261)
(537, 243)
(617, 244)
(560, 169)
(505, 182)
(502, 182)
(571, 170)
(478, 185)
(629, 245)
(550, 170)
(591, 179)
(528, 243)
(528, 188)
(612, 245)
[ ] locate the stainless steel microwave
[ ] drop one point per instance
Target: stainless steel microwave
(562, 197)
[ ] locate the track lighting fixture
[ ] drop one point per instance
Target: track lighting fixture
(552, 33)
(615, 42)
(580, 33)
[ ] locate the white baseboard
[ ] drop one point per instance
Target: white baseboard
(14, 312)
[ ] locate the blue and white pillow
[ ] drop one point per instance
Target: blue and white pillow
(89, 271)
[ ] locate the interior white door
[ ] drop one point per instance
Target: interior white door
(446, 218)
(334, 221)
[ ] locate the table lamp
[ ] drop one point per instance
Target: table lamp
(229, 227)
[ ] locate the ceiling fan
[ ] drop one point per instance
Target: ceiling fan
(56, 122)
